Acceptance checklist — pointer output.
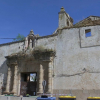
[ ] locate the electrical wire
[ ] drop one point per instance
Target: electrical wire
(7, 38)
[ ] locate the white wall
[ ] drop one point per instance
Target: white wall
(71, 60)
(79, 65)
(6, 50)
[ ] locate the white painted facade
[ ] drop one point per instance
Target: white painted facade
(7, 49)
(75, 53)
(77, 62)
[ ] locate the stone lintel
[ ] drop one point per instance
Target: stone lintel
(12, 64)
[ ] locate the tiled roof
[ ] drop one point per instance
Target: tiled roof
(89, 21)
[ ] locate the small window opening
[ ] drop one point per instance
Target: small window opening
(88, 33)
(28, 77)
(32, 77)
(67, 23)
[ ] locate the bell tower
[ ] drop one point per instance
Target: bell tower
(64, 19)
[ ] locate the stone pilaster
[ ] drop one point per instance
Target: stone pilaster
(14, 90)
(19, 83)
(7, 91)
(49, 78)
(41, 78)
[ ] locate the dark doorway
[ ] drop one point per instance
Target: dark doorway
(28, 84)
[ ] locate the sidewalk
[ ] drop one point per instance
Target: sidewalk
(16, 98)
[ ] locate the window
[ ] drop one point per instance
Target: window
(88, 33)
(32, 77)
(28, 77)
(67, 22)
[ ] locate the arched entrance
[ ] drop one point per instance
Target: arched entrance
(22, 68)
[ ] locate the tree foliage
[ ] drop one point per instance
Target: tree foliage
(19, 38)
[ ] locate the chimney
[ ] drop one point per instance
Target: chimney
(64, 19)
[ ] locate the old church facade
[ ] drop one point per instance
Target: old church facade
(68, 60)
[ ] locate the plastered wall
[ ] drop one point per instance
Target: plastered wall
(77, 61)
(6, 50)
(76, 65)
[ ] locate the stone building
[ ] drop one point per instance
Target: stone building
(68, 60)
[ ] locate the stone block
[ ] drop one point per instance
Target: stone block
(15, 98)
(3, 98)
(29, 98)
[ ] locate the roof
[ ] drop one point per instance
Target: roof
(89, 21)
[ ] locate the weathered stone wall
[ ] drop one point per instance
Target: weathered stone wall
(76, 67)
(47, 43)
(94, 40)
(76, 64)
(77, 61)
(5, 50)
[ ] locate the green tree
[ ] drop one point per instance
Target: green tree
(19, 38)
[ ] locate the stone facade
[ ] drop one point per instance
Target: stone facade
(7, 49)
(72, 69)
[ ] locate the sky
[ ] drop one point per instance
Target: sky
(20, 16)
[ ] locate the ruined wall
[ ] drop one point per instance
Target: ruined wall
(5, 50)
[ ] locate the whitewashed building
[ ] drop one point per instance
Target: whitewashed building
(69, 61)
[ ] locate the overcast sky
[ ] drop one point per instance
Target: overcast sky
(20, 16)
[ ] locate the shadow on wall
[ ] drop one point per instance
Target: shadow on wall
(3, 76)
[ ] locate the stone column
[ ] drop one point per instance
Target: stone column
(7, 91)
(19, 83)
(14, 90)
(41, 77)
(49, 77)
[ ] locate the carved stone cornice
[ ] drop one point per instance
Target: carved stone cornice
(36, 55)
(11, 62)
(44, 56)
